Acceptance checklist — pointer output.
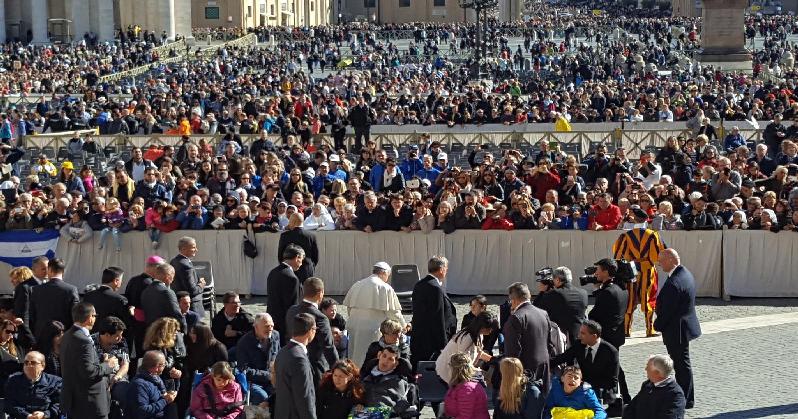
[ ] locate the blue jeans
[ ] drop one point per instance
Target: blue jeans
(114, 233)
(155, 235)
(259, 394)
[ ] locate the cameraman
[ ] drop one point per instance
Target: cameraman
(565, 303)
(609, 310)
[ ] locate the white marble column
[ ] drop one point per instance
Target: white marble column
(80, 18)
(39, 21)
(168, 18)
(105, 20)
(2, 21)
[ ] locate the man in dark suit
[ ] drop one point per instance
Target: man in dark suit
(133, 290)
(184, 303)
(609, 311)
(321, 350)
(158, 300)
(85, 387)
(283, 288)
(527, 335)
(54, 299)
(565, 304)
(434, 316)
(597, 359)
(297, 396)
(107, 300)
(306, 240)
(660, 397)
(676, 319)
(231, 322)
(185, 276)
(23, 292)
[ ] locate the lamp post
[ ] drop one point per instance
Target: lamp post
(481, 8)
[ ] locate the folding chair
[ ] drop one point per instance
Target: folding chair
(431, 389)
(403, 279)
(205, 270)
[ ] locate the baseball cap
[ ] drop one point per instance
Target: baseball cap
(442, 156)
(334, 157)
(67, 165)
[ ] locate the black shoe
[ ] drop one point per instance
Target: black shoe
(689, 405)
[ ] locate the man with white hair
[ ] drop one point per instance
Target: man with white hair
(255, 353)
(676, 319)
(370, 301)
(659, 394)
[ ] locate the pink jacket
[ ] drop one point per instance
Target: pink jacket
(152, 218)
(226, 396)
(467, 401)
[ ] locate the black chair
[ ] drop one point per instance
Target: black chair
(403, 279)
(431, 389)
(49, 152)
(205, 270)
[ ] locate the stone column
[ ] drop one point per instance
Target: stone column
(723, 35)
(167, 19)
(105, 20)
(2, 21)
(80, 18)
(39, 21)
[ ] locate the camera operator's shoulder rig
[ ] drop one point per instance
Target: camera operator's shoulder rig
(544, 276)
(626, 272)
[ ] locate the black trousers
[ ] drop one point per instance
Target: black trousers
(361, 134)
(680, 354)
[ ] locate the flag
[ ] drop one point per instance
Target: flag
(18, 248)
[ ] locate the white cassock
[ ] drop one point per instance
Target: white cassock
(370, 301)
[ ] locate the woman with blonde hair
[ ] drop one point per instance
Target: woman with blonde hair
(19, 275)
(164, 335)
(665, 219)
(466, 398)
(518, 397)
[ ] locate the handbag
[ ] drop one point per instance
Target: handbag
(250, 246)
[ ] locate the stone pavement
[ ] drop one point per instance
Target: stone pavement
(743, 364)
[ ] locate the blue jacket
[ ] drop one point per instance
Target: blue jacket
(431, 175)
(192, 221)
(319, 182)
(23, 397)
(410, 167)
(582, 398)
(145, 397)
(731, 142)
(255, 359)
(375, 177)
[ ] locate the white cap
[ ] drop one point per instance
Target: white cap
(383, 265)
(442, 156)
(334, 157)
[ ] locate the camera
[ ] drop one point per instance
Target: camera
(589, 277)
(625, 273)
(544, 276)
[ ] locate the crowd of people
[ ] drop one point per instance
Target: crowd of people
(147, 350)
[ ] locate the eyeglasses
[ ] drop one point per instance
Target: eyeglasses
(10, 331)
(32, 362)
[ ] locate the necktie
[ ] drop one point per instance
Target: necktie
(589, 357)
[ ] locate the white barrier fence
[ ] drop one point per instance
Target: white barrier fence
(744, 264)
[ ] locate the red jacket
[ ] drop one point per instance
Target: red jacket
(608, 219)
(497, 224)
(542, 184)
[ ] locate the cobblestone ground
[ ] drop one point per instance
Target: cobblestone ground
(738, 374)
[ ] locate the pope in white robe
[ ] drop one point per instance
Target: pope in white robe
(370, 301)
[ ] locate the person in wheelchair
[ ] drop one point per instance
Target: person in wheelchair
(388, 382)
(218, 395)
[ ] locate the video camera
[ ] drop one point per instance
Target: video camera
(544, 276)
(627, 272)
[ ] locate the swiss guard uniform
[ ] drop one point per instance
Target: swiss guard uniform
(641, 245)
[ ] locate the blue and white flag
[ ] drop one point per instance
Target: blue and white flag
(18, 248)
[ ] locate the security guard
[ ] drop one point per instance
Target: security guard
(641, 245)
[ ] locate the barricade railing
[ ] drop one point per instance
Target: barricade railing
(246, 40)
(163, 52)
(634, 141)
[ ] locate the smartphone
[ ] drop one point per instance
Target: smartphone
(553, 144)
(792, 170)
